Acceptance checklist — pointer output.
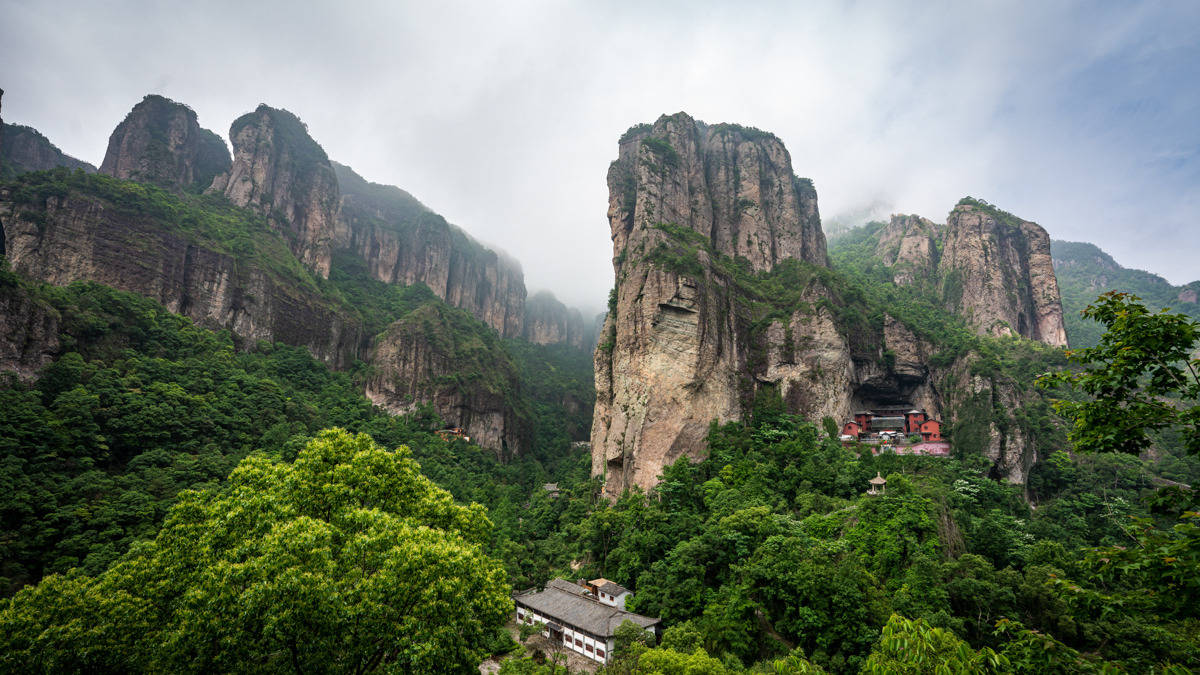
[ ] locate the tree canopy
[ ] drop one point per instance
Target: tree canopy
(1141, 377)
(347, 559)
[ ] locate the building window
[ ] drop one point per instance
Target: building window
(600, 653)
(589, 648)
(578, 642)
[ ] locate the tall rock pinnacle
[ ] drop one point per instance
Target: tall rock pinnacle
(998, 272)
(281, 172)
(161, 142)
(673, 353)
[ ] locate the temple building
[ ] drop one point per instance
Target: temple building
(894, 421)
(582, 617)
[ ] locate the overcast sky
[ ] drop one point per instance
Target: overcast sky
(504, 116)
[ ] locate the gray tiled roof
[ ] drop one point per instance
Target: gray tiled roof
(613, 589)
(564, 602)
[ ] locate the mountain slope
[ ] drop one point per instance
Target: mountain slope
(275, 251)
(1084, 272)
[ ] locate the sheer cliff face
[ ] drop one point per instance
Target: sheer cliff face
(548, 321)
(280, 171)
(404, 242)
(673, 353)
(80, 238)
(410, 362)
(25, 149)
(161, 142)
(908, 244)
(732, 185)
(998, 272)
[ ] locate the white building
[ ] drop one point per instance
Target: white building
(583, 617)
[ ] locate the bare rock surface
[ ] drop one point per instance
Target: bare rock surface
(404, 242)
(673, 354)
(548, 321)
(161, 142)
(280, 171)
(999, 273)
(80, 238)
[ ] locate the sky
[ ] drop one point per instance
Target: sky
(504, 116)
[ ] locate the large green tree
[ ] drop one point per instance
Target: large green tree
(1141, 377)
(347, 559)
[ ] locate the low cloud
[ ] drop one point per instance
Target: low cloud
(504, 116)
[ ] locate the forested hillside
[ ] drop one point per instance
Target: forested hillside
(141, 404)
(187, 492)
(1084, 271)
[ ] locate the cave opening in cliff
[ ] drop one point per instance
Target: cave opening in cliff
(887, 394)
(2, 253)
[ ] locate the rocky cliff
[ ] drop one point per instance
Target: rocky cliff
(25, 149)
(249, 264)
(60, 229)
(161, 142)
(28, 330)
(280, 172)
(989, 266)
(433, 356)
(674, 352)
(716, 308)
(997, 270)
(404, 242)
(732, 185)
(548, 321)
(909, 245)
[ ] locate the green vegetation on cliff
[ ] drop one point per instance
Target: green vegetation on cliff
(209, 221)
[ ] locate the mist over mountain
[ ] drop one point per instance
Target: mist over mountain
(267, 411)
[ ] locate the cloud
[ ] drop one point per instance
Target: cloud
(504, 116)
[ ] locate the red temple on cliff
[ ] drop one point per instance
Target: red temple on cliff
(892, 423)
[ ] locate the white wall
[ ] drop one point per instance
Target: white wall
(569, 636)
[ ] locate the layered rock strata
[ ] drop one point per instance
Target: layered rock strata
(404, 242)
(83, 238)
(280, 171)
(161, 142)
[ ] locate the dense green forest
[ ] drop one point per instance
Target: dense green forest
(142, 403)
(179, 500)
(738, 553)
(770, 549)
